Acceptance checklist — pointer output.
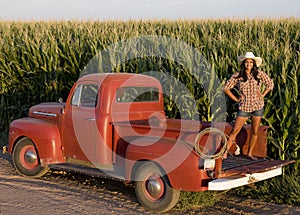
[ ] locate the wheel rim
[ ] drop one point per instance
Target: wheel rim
(153, 187)
(28, 157)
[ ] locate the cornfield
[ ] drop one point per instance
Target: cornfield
(39, 62)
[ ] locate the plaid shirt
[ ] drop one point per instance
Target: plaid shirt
(250, 91)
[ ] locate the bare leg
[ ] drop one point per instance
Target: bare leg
(254, 134)
(239, 122)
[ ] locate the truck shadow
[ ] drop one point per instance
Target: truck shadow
(98, 184)
(118, 194)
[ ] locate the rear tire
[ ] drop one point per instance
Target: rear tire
(153, 189)
(26, 159)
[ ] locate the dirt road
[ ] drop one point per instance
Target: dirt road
(61, 193)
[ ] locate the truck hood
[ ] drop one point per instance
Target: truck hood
(50, 111)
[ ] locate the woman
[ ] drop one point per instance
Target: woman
(251, 99)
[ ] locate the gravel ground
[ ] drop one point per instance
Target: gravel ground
(67, 193)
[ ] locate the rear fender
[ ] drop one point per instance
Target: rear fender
(177, 159)
(45, 136)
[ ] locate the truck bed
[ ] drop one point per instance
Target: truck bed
(241, 165)
(237, 161)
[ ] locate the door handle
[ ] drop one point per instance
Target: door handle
(90, 119)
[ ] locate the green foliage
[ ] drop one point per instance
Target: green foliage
(190, 200)
(3, 139)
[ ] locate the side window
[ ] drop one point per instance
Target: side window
(85, 95)
(137, 94)
(76, 96)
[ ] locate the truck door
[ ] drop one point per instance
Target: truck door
(80, 124)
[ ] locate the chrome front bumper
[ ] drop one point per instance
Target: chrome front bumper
(4, 149)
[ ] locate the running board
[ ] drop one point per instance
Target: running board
(88, 171)
(237, 180)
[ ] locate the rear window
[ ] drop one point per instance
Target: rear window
(137, 94)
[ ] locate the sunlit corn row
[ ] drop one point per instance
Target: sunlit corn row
(39, 61)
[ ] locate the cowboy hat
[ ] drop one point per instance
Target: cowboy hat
(250, 55)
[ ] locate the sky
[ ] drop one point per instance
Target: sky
(145, 9)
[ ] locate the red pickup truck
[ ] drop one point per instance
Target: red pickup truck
(113, 125)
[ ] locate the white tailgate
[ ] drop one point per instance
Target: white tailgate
(236, 181)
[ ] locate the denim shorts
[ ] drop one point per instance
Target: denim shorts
(259, 112)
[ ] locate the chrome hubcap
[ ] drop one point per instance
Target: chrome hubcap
(30, 157)
(154, 187)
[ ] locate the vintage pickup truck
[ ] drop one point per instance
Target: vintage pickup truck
(114, 125)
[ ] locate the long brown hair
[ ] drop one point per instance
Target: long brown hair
(254, 72)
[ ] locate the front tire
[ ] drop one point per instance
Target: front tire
(153, 189)
(26, 159)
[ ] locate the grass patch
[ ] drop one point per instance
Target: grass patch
(192, 200)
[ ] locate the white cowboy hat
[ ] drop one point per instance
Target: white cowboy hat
(250, 55)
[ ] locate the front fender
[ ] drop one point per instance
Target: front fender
(176, 158)
(45, 136)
